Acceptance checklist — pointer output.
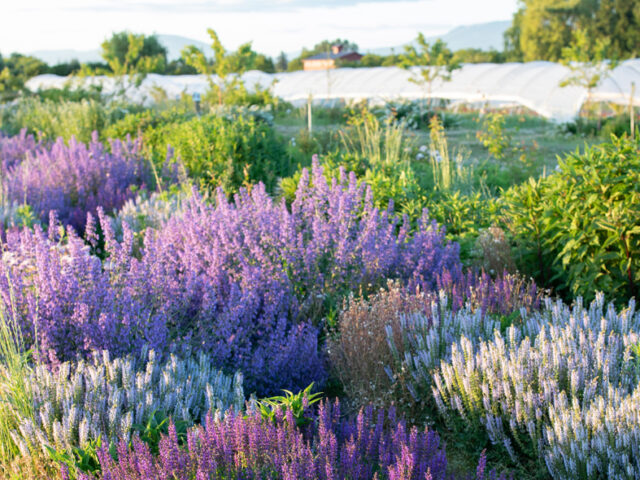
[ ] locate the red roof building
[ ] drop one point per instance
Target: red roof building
(325, 61)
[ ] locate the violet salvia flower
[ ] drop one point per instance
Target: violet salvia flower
(236, 446)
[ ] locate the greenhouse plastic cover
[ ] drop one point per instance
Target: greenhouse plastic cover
(535, 85)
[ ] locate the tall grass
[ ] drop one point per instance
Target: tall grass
(382, 143)
(16, 401)
(66, 119)
(448, 172)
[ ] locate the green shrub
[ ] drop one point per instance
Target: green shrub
(137, 123)
(223, 151)
(579, 229)
(493, 135)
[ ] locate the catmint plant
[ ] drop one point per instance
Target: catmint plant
(72, 179)
(250, 281)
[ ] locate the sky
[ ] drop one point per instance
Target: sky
(272, 25)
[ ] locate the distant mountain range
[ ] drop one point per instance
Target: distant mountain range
(482, 35)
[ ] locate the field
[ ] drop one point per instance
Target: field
(403, 292)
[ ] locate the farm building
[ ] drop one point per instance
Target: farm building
(324, 61)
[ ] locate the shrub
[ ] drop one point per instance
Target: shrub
(493, 251)
(76, 179)
(104, 399)
(135, 124)
(529, 388)
(372, 446)
(585, 217)
(224, 151)
(388, 343)
(493, 136)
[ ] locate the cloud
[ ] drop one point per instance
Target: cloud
(31, 25)
(192, 6)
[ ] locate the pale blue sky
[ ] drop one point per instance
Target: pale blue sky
(273, 26)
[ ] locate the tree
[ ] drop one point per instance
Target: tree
(542, 28)
(15, 70)
(325, 47)
(619, 20)
(264, 64)
(476, 55)
(281, 63)
(134, 55)
(437, 56)
(223, 65)
(589, 62)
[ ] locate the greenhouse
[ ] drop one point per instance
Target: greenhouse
(534, 85)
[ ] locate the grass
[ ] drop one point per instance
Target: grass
(535, 143)
(16, 401)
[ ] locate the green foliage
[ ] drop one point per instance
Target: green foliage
(579, 228)
(464, 216)
(135, 55)
(16, 395)
(227, 66)
(415, 114)
(298, 404)
(69, 94)
(226, 152)
(16, 215)
(137, 123)
(53, 119)
(541, 29)
(156, 426)
(493, 135)
(476, 55)
(78, 459)
(437, 57)
(590, 62)
(448, 173)
(15, 70)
